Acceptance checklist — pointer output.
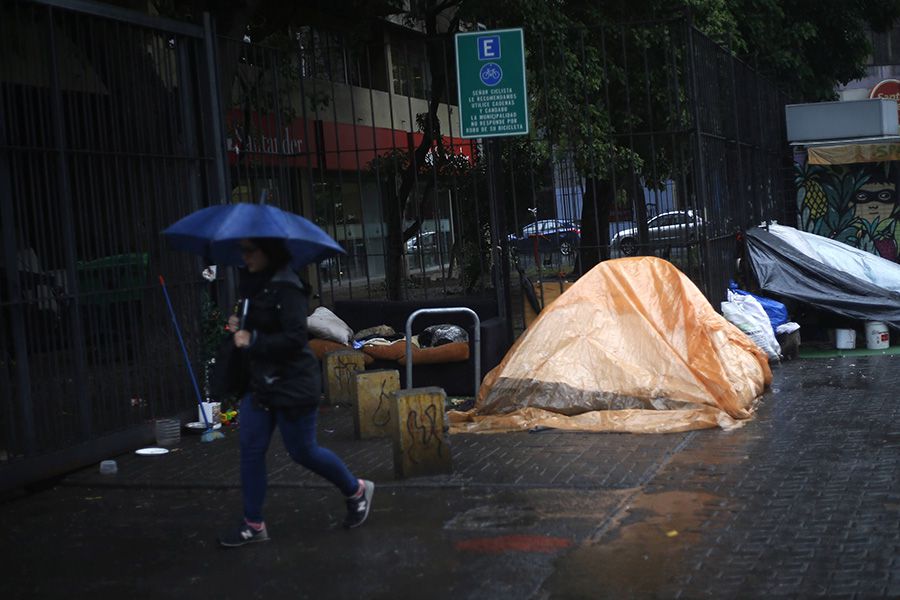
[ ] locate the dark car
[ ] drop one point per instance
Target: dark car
(549, 235)
(674, 228)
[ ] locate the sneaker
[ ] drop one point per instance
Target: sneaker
(243, 534)
(358, 507)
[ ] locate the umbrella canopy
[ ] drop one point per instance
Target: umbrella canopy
(214, 231)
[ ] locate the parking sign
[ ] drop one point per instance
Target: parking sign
(490, 75)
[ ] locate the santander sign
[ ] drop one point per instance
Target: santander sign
(888, 89)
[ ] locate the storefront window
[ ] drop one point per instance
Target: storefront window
(350, 212)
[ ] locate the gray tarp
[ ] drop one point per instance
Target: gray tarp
(824, 273)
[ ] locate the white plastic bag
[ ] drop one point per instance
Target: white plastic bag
(789, 327)
(326, 325)
(749, 316)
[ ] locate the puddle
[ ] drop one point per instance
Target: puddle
(513, 543)
(640, 553)
(493, 516)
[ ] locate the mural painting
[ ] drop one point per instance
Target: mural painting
(855, 204)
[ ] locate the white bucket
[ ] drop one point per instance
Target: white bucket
(877, 335)
(212, 410)
(845, 339)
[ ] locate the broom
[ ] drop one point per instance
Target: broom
(210, 435)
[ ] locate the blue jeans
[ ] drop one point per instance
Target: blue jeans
(299, 435)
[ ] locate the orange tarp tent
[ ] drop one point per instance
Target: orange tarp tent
(632, 346)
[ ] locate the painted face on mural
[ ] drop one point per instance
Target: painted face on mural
(875, 201)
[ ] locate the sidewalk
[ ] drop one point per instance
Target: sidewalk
(802, 501)
(523, 460)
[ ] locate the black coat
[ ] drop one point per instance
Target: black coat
(284, 372)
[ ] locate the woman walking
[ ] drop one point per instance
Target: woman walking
(284, 389)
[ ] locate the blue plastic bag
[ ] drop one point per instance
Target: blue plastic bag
(777, 312)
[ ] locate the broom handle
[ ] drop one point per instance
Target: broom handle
(187, 359)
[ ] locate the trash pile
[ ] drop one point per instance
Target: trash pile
(765, 321)
(632, 346)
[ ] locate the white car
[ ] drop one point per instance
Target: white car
(678, 227)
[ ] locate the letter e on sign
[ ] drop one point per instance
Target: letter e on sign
(489, 47)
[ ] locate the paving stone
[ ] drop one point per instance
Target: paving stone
(813, 502)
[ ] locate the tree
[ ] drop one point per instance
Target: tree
(432, 165)
(805, 46)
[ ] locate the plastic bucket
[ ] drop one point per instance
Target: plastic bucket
(212, 410)
(877, 335)
(168, 432)
(845, 339)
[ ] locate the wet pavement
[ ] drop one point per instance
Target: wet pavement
(802, 501)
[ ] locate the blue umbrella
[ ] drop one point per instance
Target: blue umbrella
(214, 232)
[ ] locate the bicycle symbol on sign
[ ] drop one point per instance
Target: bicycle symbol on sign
(491, 74)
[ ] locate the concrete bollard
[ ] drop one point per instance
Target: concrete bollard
(420, 442)
(338, 368)
(373, 399)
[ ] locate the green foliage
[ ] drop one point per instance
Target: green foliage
(212, 332)
(805, 47)
(212, 326)
(445, 169)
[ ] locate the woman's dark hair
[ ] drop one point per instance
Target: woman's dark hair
(275, 249)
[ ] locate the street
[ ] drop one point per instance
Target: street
(802, 501)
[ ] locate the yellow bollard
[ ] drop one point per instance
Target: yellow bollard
(373, 398)
(338, 369)
(420, 442)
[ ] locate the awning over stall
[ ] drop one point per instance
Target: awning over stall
(850, 153)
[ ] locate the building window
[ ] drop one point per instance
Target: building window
(409, 69)
(327, 55)
(322, 55)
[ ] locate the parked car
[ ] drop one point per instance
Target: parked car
(552, 235)
(427, 241)
(331, 268)
(677, 227)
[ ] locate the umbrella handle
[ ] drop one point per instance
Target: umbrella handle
(244, 310)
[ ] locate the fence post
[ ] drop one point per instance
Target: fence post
(499, 242)
(19, 348)
(67, 216)
(219, 183)
(218, 179)
(186, 92)
(699, 170)
(742, 188)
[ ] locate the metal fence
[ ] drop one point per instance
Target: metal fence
(670, 147)
(116, 124)
(107, 135)
(316, 123)
(743, 169)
